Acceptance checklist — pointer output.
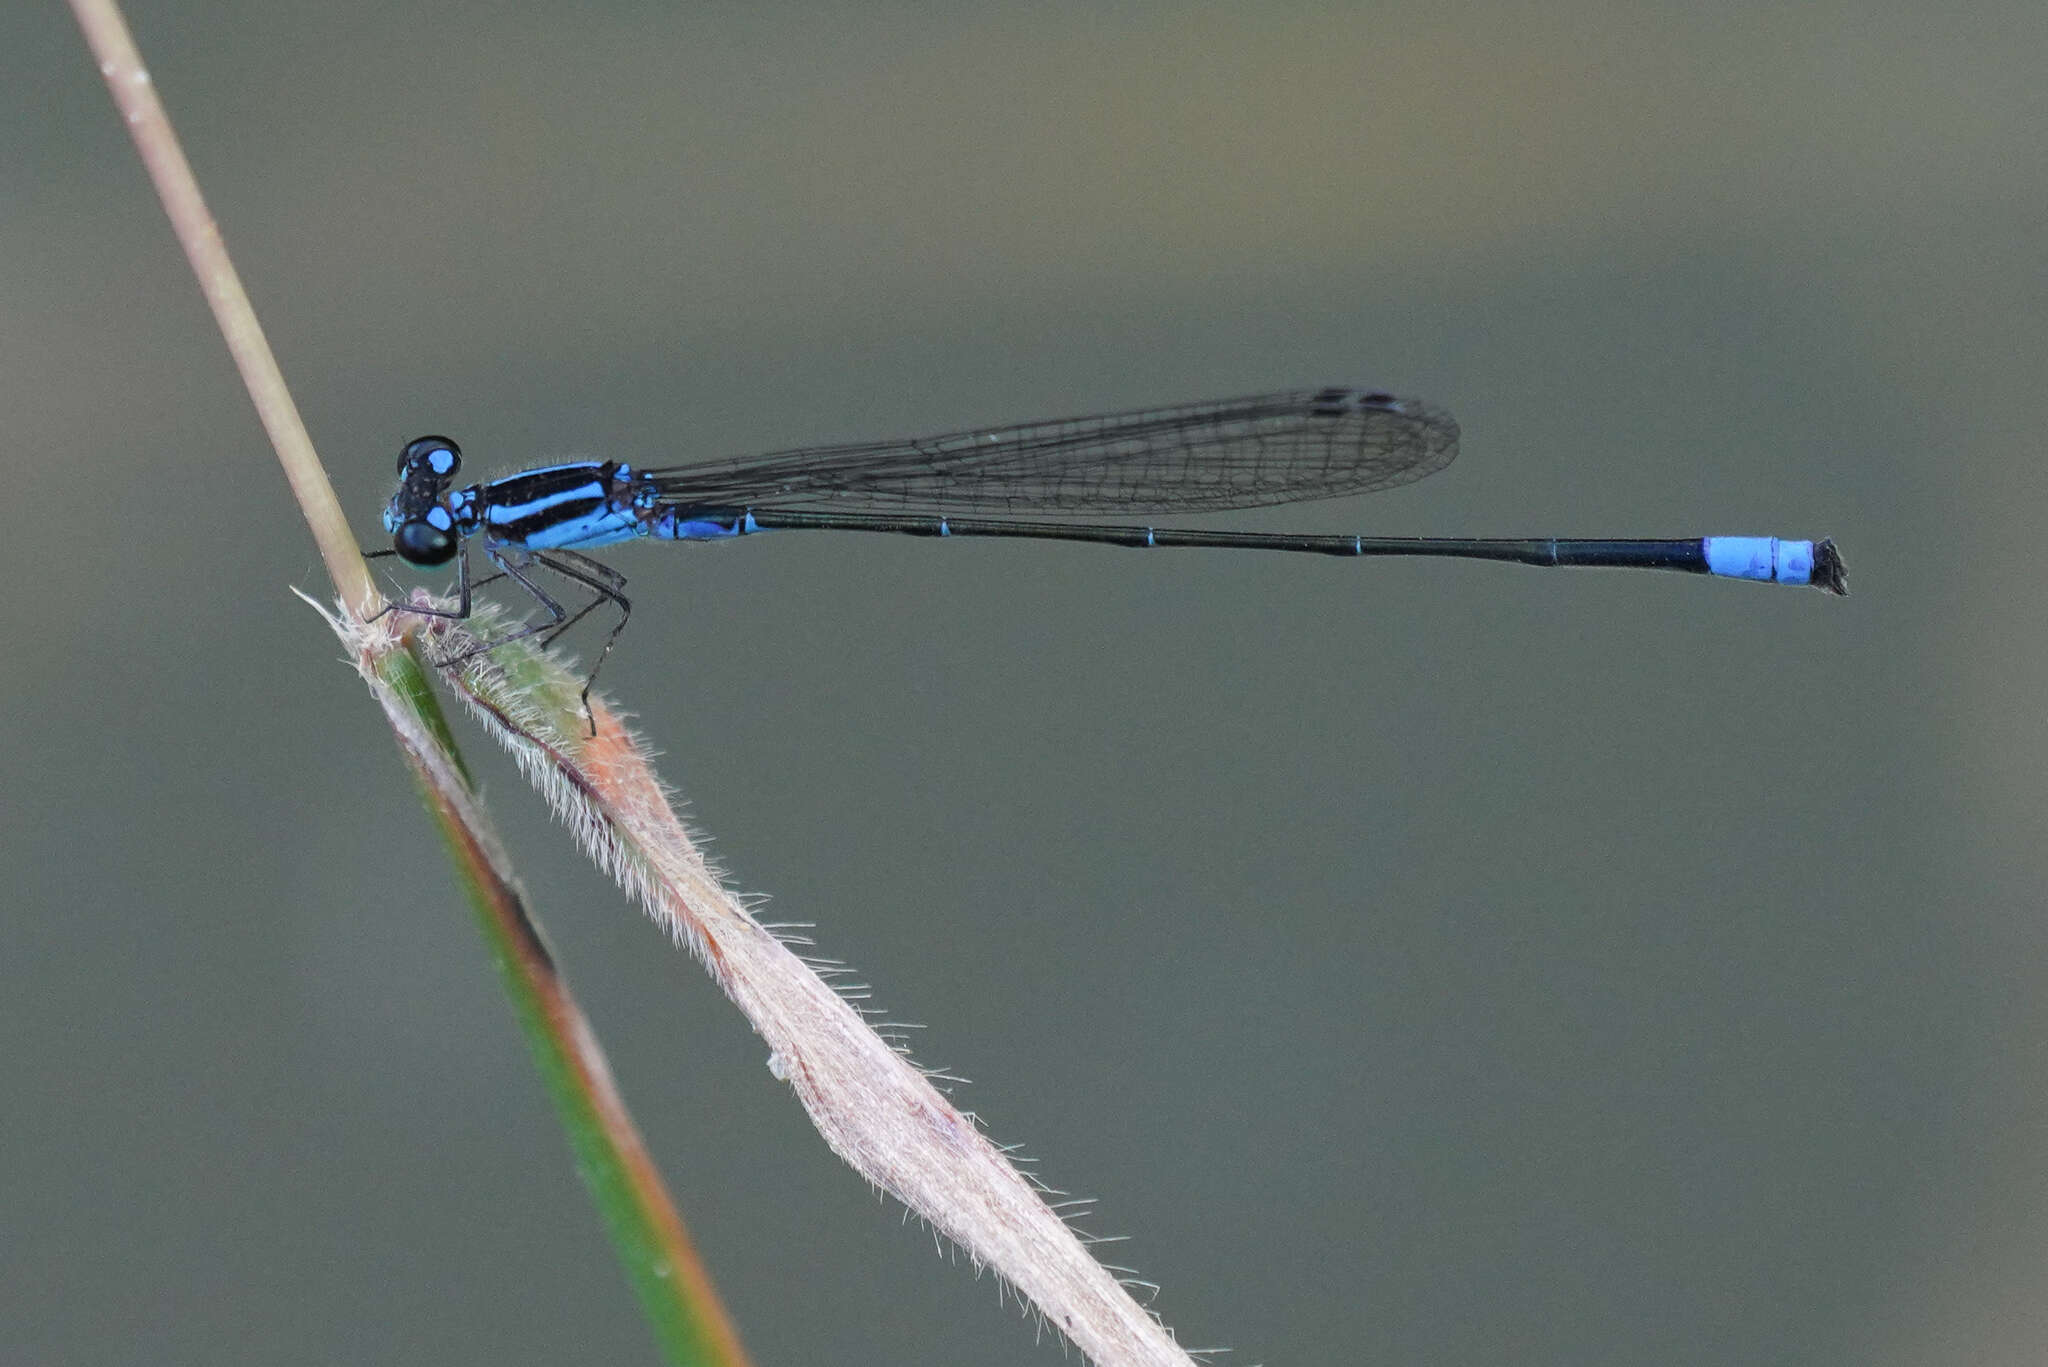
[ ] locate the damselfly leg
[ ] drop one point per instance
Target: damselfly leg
(462, 589)
(603, 582)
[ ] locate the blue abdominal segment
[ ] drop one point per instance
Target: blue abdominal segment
(682, 524)
(1759, 557)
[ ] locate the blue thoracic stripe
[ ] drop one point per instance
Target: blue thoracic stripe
(555, 507)
(580, 527)
(535, 511)
(558, 519)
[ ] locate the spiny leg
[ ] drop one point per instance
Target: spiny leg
(601, 579)
(556, 613)
(591, 565)
(604, 581)
(606, 591)
(508, 569)
(462, 583)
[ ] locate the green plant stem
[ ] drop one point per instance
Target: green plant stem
(674, 1290)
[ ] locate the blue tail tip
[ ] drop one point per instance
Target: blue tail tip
(1774, 560)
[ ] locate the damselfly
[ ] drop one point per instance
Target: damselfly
(1203, 457)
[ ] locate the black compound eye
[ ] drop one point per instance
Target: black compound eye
(421, 543)
(437, 455)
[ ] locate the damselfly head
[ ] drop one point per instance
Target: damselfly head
(422, 527)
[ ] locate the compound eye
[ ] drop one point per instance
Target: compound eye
(437, 455)
(421, 543)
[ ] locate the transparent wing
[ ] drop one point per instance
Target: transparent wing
(1236, 453)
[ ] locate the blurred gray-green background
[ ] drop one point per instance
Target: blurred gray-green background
(1424, 963)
